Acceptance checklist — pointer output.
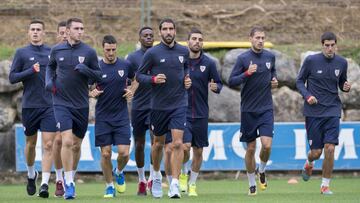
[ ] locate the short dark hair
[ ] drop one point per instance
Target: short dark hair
(109, 39)
(144, 28)
(37, 21)
(256, 29)
(193, 31)
(70, 20)
(166, 20)
(328, 36)
(61, 24)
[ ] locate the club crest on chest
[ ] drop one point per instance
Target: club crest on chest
(181, 59)
(81, 59)
(268, 65)
(121, 72)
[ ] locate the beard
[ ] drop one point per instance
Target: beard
(168, 39)
(195, 50)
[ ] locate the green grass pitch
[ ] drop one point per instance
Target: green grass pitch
(221, 191)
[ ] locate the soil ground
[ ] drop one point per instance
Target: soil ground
(286, 21)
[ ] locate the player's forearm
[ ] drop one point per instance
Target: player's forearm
(134, 85)
(237, 80)
(273, 74)
(50, 78)
(15, 77)
(300, 85)
(144, 78)
(88, 72)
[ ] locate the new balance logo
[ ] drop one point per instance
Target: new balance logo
(162, 60)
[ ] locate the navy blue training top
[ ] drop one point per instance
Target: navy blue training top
(202, 70)
(322, 76)
(170, 61)
(141, 100)
(34, 94)
(70, 70)
(256, 88)
(111, 105)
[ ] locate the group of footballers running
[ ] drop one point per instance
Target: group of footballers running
(167, 85)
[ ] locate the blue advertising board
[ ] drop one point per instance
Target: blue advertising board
(225, 152)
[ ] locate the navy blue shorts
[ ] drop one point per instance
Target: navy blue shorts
(321, 131)
(186, 139)
(71, 118)
(255, 124)
(168, 137)
(35, 119)
(140, 121)
(196, 132)
(112, 133)
(162, 121)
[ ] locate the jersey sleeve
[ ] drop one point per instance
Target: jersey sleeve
(273, 68)
(302, 78)
(132, 65)
(142, 75)
(17, 72)
(51, 72)
(215, 75)
(343, 76)
(238, 74)
(131, 73)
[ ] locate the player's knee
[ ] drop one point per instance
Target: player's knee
(197, 153)
(106, 155)
(251, 146)
(158, 145)
(124, 155)
(177, 145)
(168, 149)
(139, 146)
(251, 149)
(316, 153)
(47, 146)
(67, 143)
(187, 148)
(57, 143)
(266, 148)
(76, 147)
(329, 149)
(31, 145)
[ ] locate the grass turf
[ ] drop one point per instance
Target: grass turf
(223, 191)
